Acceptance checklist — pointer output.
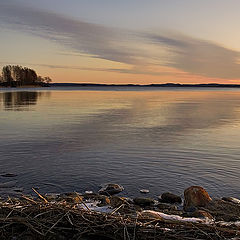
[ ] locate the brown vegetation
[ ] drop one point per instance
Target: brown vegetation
(70, 218)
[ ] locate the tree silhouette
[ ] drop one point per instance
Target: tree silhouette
(14, 76)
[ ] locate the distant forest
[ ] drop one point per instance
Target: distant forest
(16, 76)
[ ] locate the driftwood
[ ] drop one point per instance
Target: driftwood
(28, 218)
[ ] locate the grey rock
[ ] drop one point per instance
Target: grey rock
(143, 201)
(111, 189)
(170, 198)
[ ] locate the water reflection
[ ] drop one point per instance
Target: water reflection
(148, 118)
(20, 101)
(141, 139)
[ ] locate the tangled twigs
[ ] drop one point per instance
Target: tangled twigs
(38, 219)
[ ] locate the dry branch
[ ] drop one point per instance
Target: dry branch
(22, 218)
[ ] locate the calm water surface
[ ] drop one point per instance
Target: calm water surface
(163, 140)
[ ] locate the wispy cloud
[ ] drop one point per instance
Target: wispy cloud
(200, 57)
(118, 70)
(96, 40)
(141, 50)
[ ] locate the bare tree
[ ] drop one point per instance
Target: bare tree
(18, 75)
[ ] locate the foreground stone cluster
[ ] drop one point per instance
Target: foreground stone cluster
(84, 216)
(196, 203)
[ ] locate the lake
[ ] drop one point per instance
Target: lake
(161, 139)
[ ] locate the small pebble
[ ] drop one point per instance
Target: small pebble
(144, 191)
(88, 192)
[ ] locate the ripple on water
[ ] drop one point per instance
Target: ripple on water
(156, 140)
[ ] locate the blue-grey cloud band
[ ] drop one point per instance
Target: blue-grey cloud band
(187, 54)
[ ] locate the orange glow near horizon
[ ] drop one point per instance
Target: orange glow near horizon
(76, 49)
(106, 77)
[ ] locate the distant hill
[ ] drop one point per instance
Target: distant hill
(208, 85)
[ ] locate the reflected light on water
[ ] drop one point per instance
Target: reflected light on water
(161, 140)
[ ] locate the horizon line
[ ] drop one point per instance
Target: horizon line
(151, 84)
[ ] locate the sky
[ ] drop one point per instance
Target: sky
(128, 41)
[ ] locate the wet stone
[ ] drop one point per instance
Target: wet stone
(111, 189)
(196, 196)
(144, 191)
(143, 201)
(170, 198)
(88, 192)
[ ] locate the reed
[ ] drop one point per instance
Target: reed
(28, 218)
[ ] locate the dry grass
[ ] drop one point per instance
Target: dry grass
(29, 218)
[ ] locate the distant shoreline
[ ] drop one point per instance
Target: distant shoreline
(25, 86)
(178, 85)
(41, 85)
(164, 85)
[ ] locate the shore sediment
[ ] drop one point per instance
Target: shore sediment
(104, 215)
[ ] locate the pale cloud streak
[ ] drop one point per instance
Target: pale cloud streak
(88, 38)
(96, 69)
(200, 57)
(140, 50)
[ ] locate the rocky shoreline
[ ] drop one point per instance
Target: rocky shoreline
(104, 215)
(196, 203)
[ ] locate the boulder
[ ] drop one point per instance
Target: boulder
(195, 196)
(111, 189)
(170, 198)
(143, 201)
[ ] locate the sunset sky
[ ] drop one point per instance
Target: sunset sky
(128, 41)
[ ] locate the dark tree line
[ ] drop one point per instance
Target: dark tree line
(14, 76)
